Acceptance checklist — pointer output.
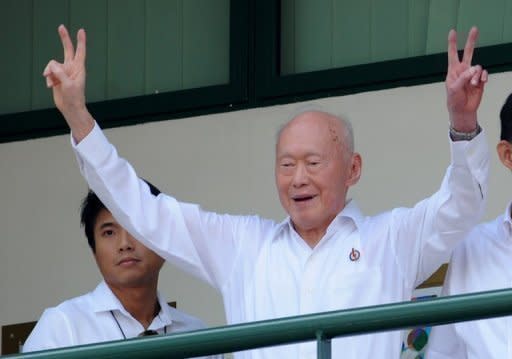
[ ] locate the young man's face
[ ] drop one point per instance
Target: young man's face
(123, 261)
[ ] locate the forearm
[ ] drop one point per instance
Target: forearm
(427, 233)
(459, 204)
(80, 122)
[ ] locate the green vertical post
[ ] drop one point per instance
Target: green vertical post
(323, 346)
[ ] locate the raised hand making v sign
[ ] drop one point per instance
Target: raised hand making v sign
(67, 81)
(464, 84)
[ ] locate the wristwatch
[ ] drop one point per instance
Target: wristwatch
(464, 136)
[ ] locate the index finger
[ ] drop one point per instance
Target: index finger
(453, 56)
(80, 46)
(470, 46)
(66, 43)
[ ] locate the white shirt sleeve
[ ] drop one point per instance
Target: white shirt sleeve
(202, 243)
(427, 234)
(444, 342)
(52, 331)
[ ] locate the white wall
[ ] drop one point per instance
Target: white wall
(224, 162)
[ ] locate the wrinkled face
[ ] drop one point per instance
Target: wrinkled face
(313, 170)
(123, 261)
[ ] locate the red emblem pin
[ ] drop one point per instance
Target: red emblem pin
(354, 255)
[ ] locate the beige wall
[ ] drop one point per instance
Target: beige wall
(224, 162)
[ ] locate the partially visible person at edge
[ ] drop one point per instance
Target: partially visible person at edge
(126, 304)
(326, 255)
(481, 263)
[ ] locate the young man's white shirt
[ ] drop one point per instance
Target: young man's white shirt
(99, 316)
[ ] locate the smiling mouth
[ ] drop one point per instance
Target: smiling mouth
(303, 198)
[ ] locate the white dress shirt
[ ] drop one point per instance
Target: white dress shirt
(265, 270)
(482, 262)
(99, 316)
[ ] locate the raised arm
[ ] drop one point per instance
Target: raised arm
(464, 84)
(67, 81)
(430, 231)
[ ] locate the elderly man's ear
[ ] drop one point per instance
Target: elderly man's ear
(355, 169)
(504, 149)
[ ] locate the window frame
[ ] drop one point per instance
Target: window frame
(255, 80)
(153, 107)
(351, 79)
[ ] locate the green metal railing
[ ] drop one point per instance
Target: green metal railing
(320, 327)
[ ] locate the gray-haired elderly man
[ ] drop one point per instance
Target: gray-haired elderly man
(326, 254)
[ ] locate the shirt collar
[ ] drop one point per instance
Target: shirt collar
(507, 221)
(104, 300)
(350, 211)
(165, 314)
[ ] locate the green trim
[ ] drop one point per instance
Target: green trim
(290, 330)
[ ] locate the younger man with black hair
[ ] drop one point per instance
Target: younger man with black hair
(125, 304)
(482, 262)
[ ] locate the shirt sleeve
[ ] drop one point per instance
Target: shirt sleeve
(52, 331)
(444, 342)
(426, 235)
(202, 243)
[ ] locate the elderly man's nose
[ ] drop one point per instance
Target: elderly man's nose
(300, 176)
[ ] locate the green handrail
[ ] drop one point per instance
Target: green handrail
(321, 326)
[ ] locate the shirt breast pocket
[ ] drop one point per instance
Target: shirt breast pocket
(353, 288)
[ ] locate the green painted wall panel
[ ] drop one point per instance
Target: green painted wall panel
(336, 33)
(163, 63)
(48, 15)
(134, 47)
(442, 17)
(16, 69)
(140, 47)
(205, 42)
(313, 35)
(92, 16)
(351, 32)
(417, 25)
(125, 49)
(487, 15)
(389, 22)
(507, 25)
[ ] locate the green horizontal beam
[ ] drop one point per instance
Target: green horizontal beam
(297, 329)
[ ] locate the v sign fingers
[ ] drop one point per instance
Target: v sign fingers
(453, 56)
(69, 50)
(80, 47)
(464, 83)
(469, 48)
(67, 81)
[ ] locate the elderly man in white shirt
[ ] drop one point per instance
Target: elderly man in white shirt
(326, 255)
(481, 262)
